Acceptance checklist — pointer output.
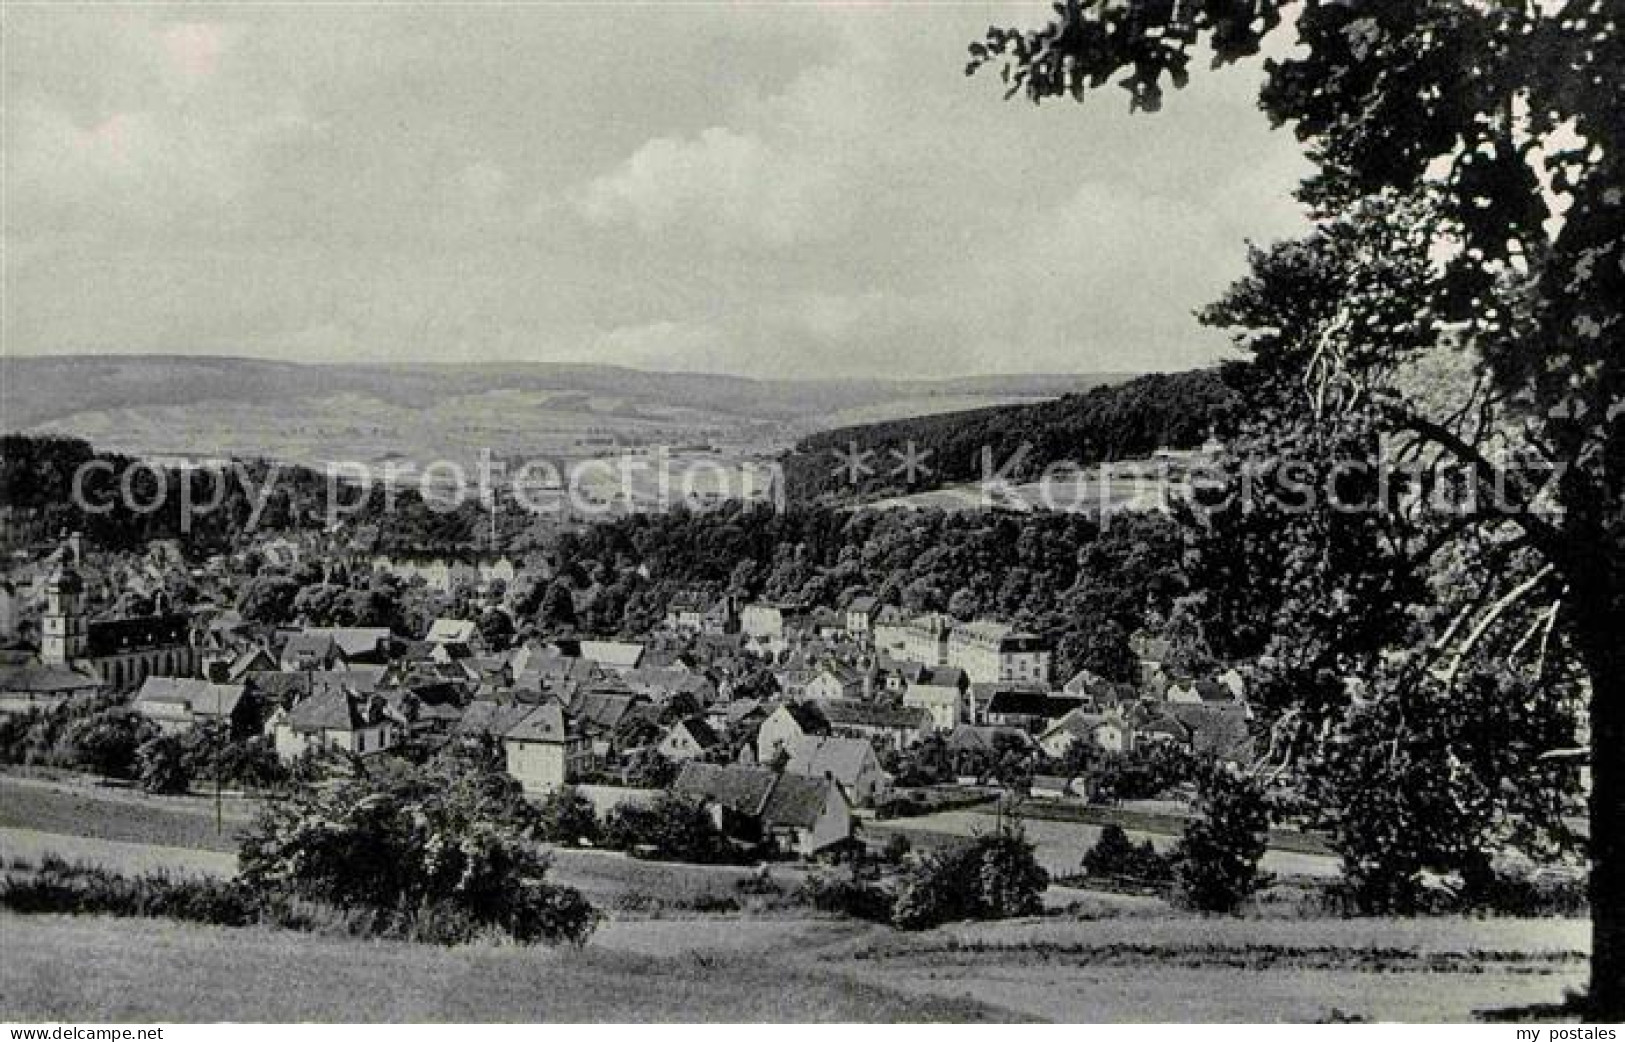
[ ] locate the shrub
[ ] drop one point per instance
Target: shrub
(847, 897)
(896, 850)
(672, 827)
(163, 766)
(1115, 856)
(760, 884)
(106, 741)
(995, 877)
(98, 733)
(566, 816)
(57, 886)
(213, 754)
(1216, 863)
(442, 851)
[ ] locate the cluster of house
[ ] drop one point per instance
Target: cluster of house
(894, 678)
(787, 759)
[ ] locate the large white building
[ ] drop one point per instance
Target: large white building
(925, 639)
(993, 653)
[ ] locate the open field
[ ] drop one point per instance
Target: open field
(1166, 819)
(715, 968)
(127, 816)
(1061, 844)
(1173, 968)
(123, 815)
(30, 846)
(1096, 957)
(63, 968)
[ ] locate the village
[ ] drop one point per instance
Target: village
(795, 726)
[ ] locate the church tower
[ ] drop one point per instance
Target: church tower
(63, 634)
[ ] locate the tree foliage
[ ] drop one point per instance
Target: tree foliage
(1216, 862)
(447, 846)
(996, 876)
(1115, 422)
(1483, 140)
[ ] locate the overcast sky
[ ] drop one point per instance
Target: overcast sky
(807, 191)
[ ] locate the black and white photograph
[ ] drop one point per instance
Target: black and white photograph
(876, 512)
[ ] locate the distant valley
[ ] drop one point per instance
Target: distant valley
(175, 406)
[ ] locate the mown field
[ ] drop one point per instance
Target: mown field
(60, 968)
(1095, 958)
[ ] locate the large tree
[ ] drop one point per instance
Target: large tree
(1500, 122)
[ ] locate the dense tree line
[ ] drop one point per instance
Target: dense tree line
(1063, 576)
(1467, 163)
(1125, 421)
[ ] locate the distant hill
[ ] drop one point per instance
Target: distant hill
(42, 388)
(239, 406)
(1122, 421)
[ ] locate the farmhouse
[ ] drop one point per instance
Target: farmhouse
(898, 726)
(834, 680)
(1106, 733)
(31, 685)
(543, 752)
(756, 805)
(177, 703)
(359, 645)
(939, 690)
(860, 616)
(307, 651)
(332, 718)
(696, 612)
(766, 627)
(1031, 708)
(255, 659)
(688, 739)
(890, 630)
(789, 721)
(850, 761)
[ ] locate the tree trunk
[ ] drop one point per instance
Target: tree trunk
(1601, 626)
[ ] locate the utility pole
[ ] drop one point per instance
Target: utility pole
(219, 814)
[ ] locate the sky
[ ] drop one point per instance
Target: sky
(760, 189)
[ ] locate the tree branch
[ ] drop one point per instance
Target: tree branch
(1542, 533)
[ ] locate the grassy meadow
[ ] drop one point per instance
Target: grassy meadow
(1095, 957)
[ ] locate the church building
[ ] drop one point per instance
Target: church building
(120, 652)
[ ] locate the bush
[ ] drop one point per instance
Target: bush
(761, 884)
(995, 877)
(440, 852)
(163, 766)
(896, 850)
(106, 742)
(1114, 856)
(846, 897)
(98, 733)
(566, 816)
(672, 827)
(75, 889)
(1216, 863)
(251, 763)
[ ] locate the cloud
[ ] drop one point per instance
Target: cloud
(193, 49)
(813, 190)
(729, 187)
(781, 171)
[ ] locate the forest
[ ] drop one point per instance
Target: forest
(1085, 586)
(1116, 422)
